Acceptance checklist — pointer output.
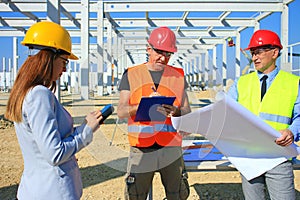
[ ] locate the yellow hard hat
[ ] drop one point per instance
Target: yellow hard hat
(49, 34)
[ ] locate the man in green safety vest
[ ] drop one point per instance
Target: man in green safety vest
(273, 95)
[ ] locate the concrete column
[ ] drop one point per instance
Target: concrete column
(224, 60)
(69, 77)
(53, 14)
(85, 59)
(285, 39)
(198, 71)
(109, 59)
(76, 75)
(4, 73)
(100, 47)
(214, 66)
(238, 56)
(10, 73)
(15, 58)
(207, 70)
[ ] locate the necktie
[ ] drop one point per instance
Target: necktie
(263, 86)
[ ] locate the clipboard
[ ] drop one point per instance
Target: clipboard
(147, 110)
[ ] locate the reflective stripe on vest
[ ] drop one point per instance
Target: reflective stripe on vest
(275, 118)
(276, 108)
(151, 129)
(144, 134)
(141, 129)
(164, 128)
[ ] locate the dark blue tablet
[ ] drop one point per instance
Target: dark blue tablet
(147, 110)
(106, 112)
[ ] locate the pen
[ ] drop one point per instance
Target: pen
(154, 90)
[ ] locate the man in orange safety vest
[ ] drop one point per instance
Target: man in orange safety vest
(155, 144)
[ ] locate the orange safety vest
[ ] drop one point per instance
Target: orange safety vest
(146, 133)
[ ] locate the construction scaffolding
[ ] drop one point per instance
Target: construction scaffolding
(110, 36)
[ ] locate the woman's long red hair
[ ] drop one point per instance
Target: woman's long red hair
(36, 70)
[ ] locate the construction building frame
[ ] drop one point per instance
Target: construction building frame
(110, 36)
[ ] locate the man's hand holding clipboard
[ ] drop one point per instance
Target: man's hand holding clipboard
(155, 108)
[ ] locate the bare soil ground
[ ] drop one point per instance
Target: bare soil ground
(103, 165)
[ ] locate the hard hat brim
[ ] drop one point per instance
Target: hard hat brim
(39, 47)
(73, 57)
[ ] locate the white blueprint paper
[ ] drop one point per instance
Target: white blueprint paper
(246, 140)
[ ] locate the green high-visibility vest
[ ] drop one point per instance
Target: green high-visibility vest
(276, 108)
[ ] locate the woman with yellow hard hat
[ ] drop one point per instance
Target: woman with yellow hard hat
(44, 128)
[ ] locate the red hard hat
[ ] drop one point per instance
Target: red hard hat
(263, 38)
(164, 39)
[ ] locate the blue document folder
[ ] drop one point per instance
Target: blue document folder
(147, 110)
(206, 151)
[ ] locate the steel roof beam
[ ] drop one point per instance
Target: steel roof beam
(162, 6)
(192, 6)
(75, 23)
(193, 22)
